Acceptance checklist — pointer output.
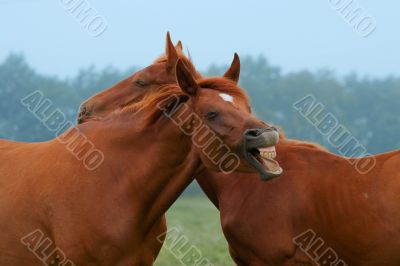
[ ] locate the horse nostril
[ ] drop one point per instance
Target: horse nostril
(85, 109)
(253, 132)
(256, 132)
(84, 113)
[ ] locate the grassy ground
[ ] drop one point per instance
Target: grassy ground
(195, 231)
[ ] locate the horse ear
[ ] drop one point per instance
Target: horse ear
(172, 54)
(233, 73)
(185, 79)
(179, 46)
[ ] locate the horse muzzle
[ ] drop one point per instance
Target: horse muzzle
(259, 151)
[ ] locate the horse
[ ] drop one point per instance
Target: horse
(320, 211)
(132, 90)
(343, 217)
(324, 209)
(57, 210)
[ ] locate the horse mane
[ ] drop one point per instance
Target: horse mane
(309, 144)
(300, 143)
(153, 104)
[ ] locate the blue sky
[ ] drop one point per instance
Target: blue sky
(291, 34)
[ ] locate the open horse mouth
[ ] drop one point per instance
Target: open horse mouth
(259, 150)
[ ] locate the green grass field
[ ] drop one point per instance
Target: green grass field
(197, 221)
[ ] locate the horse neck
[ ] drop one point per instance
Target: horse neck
(158, 162)
(295, 154)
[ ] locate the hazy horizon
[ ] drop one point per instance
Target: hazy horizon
(293, 36)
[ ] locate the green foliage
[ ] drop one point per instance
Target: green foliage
(17, 80)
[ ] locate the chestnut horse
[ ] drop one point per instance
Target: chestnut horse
(322, 210)
(356, 215)
(133, 89)
(320, 195)
(130, 90)
(53, 206)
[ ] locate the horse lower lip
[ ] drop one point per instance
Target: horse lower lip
(269, 164)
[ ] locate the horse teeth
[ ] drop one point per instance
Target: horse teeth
(268, 155)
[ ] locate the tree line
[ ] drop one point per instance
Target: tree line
(367, 107)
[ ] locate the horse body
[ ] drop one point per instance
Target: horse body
(356, 215)
(21, 199)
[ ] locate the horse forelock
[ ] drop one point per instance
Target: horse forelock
(224, 85)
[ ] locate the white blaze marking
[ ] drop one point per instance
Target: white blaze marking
(226, 97)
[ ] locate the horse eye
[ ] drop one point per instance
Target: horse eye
(140, 83)
(211, 115)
